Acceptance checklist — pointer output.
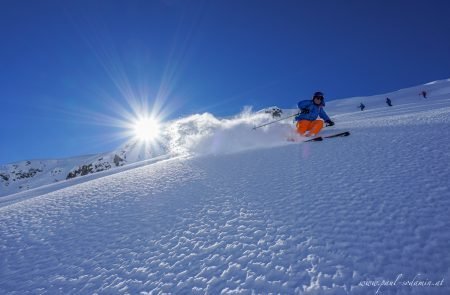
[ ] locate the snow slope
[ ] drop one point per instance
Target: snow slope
(179, 137)
(196, 134)
(236, 215)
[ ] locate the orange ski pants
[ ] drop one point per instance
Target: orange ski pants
(312, 126)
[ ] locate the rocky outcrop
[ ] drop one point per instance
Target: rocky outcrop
(27, 174)
(17, 175)
(118, 161)
(83, 170)
(4, 177)
(101, 164)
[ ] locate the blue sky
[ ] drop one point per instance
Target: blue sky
(70, 69)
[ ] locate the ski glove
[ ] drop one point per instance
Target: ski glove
(329, 123)
(304, 111)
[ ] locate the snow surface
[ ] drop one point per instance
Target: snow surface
(244, 211)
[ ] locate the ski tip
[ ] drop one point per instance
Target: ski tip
(341, 134)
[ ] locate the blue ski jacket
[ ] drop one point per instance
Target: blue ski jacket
(314, 111)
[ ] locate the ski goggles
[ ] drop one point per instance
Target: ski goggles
(320, 97)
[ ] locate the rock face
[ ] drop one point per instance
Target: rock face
(118, 161)
(17, 173)
(27, 174)
(83, 170)
(4, 177)
(101, 164)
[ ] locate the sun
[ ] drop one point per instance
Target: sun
(146, 129)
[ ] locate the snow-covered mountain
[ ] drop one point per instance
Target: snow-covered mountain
(177, 138)
(30, 174)
(182, 136)
(239, 211)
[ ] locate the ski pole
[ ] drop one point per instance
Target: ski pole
(274, 121)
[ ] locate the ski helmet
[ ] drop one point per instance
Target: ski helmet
(318, 94)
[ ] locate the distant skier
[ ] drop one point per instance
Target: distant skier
(388, 101)
(276, 113)
(307, 122)
(362, 106)
(424, 94)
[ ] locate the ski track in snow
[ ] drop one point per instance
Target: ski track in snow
(316, 218)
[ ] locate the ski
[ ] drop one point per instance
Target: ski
(320, 138)
(346, 133)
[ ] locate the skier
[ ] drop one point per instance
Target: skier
(362, 106)
(388, 101)
(276, 113)
(424, 94)
(306, 121)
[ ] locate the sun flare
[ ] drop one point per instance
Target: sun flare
(146, 129)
